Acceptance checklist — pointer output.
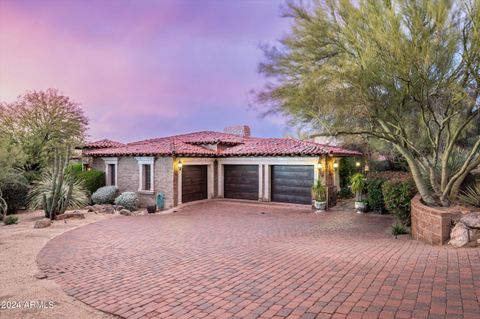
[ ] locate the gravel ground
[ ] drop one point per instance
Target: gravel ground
(19, 246)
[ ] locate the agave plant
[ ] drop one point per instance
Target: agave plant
(471, 195)
(43, 188)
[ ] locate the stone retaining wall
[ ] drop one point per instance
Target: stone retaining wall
(432, 225)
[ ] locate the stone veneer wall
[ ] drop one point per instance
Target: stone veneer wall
(128, 178)
(432, 225)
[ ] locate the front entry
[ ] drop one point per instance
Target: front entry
(194, 183)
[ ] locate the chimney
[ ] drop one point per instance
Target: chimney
(241, 130)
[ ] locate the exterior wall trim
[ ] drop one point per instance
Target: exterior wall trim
(114, 161)
(146, 160)
(210, 174)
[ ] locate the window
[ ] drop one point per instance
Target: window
(111, 174)
(147, 181)
(146, 174)
(111, 171)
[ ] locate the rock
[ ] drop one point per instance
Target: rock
(40, 275)
(459, 237)
(104, 209)
(89, 209)
(118, 207)
(42, 223)
(74, 215)
(125, 212)
(471, 220)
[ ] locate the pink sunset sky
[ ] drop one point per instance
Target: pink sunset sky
(143, 69)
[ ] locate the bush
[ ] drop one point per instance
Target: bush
(358, 183)
(471, 195)
(346, 169)
(375, 195)
(92, 179)
(75, 168)
(128, 200)
(398, 229)
(397, 195)
(14, 187)
(10, 220)
(345, 192)
(105, 195)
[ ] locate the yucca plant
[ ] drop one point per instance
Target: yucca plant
(471, 195)
(57, 190)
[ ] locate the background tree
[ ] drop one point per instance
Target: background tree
(40, 122)
(406, 72)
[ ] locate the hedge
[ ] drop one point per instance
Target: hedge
(93, 179)
(397, 195)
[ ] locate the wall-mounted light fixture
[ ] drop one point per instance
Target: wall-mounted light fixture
(358, 164)
(335, 165)
(319, 166)
(180, 165)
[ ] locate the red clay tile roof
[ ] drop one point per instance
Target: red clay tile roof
(102, 144)
(190, 145)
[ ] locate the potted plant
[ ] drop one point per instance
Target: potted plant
(358, 184)
(151, 209)
(319, 195)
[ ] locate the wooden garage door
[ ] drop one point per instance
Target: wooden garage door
(240, 181)
(194, 182)
(292, 183)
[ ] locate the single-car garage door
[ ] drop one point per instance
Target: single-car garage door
(194, 182)
(240, 181)
(292, 183)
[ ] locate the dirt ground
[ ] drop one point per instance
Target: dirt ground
(19, 246)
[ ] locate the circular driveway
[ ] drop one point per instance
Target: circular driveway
(223, 259)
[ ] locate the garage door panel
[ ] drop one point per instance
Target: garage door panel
(292, 183)
(194, 183)
(240, 181)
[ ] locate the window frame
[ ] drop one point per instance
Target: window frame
(150, 160)
(111, 161)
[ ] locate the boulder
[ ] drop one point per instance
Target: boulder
(459, 237)
(42, 223)
(90, 209)
(118, 207)
(125, 212)
(471, 220)
(104, 209)
(73, 215)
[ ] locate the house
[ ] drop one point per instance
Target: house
(207, 164)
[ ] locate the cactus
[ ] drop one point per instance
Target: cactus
(55, 205)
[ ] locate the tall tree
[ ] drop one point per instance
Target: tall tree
(403, 71)
(40, 122)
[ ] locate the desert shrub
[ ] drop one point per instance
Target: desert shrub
(105, 195)
(375, 195)
(92, 179)
(75, 168)
(10, 220)
(398, 229)
(471, 195)
(42, 189)
(397, 195)
(128, 200)
(14, 187)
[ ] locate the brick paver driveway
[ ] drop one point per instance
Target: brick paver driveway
(228, 259)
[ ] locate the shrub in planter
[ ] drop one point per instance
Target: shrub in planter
(105, 195)
(14, 187)
(128, 200)
(397, 195)
(375, 195)
(10, 220)
(92, 179)
(319, 194)
(358, 187)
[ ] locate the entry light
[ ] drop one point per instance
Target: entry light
(335, 165)
(319, 166)
(180, 165)
(358, 164)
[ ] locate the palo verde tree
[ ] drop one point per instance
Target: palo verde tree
(39, 122)
(406, 72)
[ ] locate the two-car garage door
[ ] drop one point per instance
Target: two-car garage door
(289, 183)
